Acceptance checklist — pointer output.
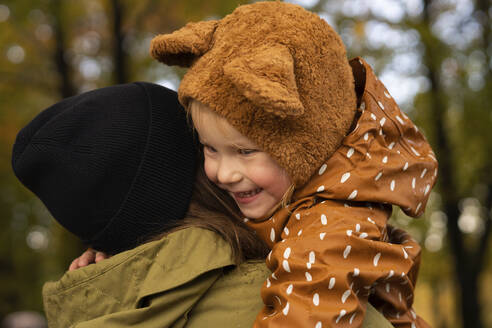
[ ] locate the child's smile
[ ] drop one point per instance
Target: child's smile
(246, 197)
(252, 178)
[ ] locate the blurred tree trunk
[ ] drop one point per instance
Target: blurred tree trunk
(65, 247)
(119, 55)
(66, 88)
(469, 261)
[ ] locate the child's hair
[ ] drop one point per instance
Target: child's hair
(211, 208)
(194, 114)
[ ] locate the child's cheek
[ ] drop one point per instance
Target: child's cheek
(210, 170)
(272, 178)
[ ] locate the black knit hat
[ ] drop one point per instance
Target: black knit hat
(113, 166)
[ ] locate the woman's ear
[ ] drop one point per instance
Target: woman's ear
(266, 77)
(185, 45)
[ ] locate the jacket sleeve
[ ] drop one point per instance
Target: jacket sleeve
(167, 309)
(326, 267)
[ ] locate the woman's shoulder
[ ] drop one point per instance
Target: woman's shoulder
(155, 268)
(196, 245)
(183, 254)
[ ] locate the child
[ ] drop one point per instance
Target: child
(315, 152)
(116, 167)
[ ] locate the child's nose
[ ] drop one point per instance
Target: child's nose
(227, 172)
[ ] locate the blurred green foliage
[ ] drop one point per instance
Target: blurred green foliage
(433, 55)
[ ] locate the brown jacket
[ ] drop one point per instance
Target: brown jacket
(331, 253)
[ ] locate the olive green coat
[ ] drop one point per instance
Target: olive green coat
(186, 279)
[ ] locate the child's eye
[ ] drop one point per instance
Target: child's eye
(209, 148)
(246, 151)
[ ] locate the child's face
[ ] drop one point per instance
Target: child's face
(234, 163)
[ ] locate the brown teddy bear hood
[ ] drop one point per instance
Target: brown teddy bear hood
(276, 72)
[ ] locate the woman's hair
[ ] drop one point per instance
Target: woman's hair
(211, 208)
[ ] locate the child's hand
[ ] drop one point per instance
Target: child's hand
(88, 257)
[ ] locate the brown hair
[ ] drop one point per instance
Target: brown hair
(210, 208)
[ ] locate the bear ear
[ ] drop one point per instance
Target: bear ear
(266, 77)
(183, 46)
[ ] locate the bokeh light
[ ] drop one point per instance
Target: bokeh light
(16, 54)
(4, 13)
(37, 238)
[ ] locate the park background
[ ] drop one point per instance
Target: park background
(434, 56)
